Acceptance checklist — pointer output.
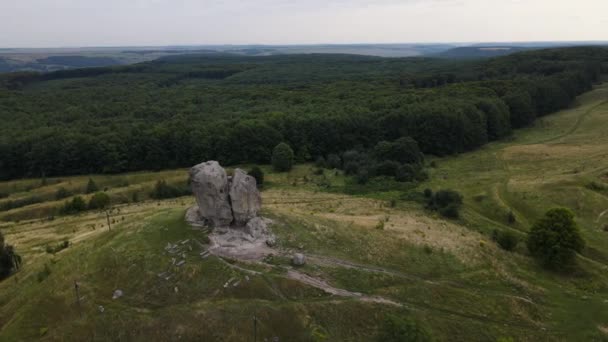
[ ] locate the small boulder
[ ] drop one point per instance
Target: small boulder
(271, 241)
(117, 294)
(298, 259)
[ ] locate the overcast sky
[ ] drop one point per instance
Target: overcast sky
(62, 23)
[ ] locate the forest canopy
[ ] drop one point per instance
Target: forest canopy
(178, 111)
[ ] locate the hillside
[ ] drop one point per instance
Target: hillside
(481, 51)
(445, 276)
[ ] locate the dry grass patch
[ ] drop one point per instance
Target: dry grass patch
(412, 225)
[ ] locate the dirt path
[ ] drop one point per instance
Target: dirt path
(321, 284)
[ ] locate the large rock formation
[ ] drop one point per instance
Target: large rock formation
(245, 197)
(211, 189)
(224, 200)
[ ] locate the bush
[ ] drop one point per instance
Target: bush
(428, 193)
(282, 157)
(334, 161)
(91, 187)
(399, 329)
(363, 176)
(62, 193)
(100, 200)
(58, 248)
(258, 174)
(555, 239)
(387, 168)
(511, 218)
(351, 168)
(74, 206)
(446, 202)
(507, 240)
(10, 261)
(320, 162)
(404, 150)
(405, 173)
(162, 190)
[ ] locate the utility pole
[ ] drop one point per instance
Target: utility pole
(255, 328)
(108, 218)
(76, 288)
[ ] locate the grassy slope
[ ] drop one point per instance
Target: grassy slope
(448, 275)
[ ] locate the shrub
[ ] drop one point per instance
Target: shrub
(446, 202)
(100, 200)
(507, 240)
(162, 190)
(428, 193)
(555, 239)
(320, 162)
(399, 329)
(405, 173)
(258, 174)
(334, 161)
(387, 168)
(282, 157)
(363, 176)
(452, 210)
(351, 168)
(404, 150)
(10, 261)
(19, 203)
(62, 193)
(74, 206)
(91, 187)
(511, 218)
(58, 248)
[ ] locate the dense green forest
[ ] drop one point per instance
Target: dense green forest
(179, 110)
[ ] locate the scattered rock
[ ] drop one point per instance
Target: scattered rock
(180, 263)
(271, 241)
(256, 227)
(101, 308)
(117, 294)
(298, 259)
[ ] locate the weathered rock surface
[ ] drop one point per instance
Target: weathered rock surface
(298, 259)
(244, 197)
(257, 227)
(211, 189)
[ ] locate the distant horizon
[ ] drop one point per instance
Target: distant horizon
(461, 43)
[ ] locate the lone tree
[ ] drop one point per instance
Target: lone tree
(282, 157)
(100, 200)
(91, 187)
(555, 239)
(10, 261)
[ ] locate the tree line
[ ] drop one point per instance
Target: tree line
(175, 113)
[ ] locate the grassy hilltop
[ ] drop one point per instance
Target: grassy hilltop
(446, 276)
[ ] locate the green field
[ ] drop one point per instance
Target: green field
(448, 276)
